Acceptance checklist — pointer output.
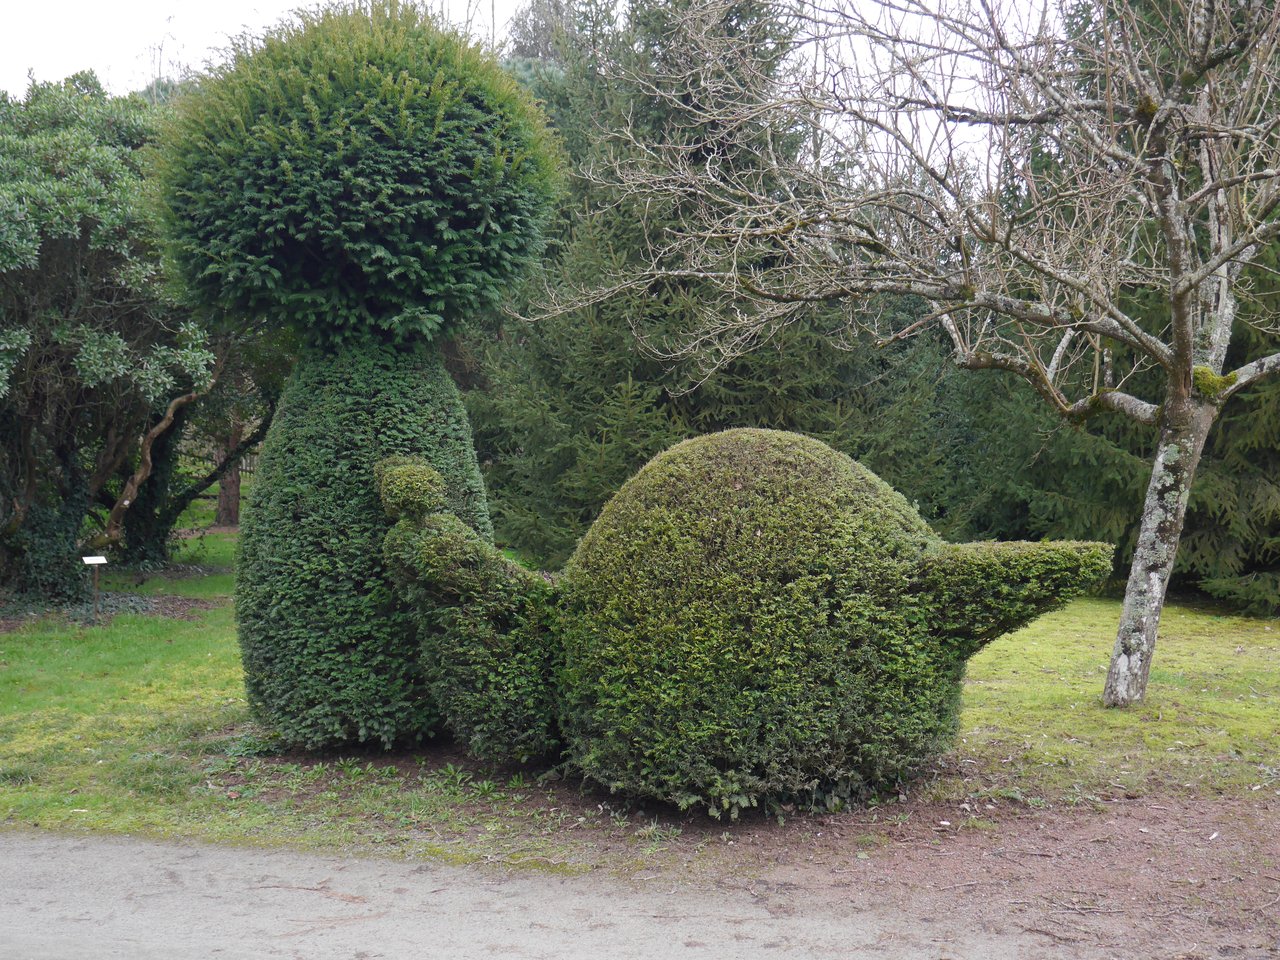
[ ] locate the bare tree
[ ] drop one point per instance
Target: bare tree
(1077, 193)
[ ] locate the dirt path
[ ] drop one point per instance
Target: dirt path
(68, 898)
(1157, 878)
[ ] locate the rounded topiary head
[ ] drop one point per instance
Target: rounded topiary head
(356, 169)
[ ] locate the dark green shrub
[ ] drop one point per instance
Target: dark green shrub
(750, 621)
(330, 654)
(977, 592)
(370, 181)
(356, 169)
(485, 624)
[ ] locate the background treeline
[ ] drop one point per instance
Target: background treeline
(565, 410)
(93, 349)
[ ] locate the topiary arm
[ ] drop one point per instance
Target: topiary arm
(486, 626)
(436, 550)
(976, 592)
(443, 555)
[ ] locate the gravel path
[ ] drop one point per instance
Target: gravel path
(68, 898)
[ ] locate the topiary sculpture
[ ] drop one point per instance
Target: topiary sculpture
(371, 181)
(755, 617)
(489, 652)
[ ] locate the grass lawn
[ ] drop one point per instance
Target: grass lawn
(140, 725)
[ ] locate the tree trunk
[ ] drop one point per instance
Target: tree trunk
(1177, 456)
(228, 514)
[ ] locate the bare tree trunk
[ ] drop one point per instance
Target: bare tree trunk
(228, 514)
(113, 533)
(1177, 456)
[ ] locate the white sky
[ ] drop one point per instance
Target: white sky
(129, 42)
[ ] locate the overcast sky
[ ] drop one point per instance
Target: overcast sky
(129, 42)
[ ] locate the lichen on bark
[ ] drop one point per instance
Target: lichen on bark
(1211, 385)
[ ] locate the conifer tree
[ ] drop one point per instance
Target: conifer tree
(371, 182)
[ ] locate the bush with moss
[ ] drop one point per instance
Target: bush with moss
(487, 624)
(755, 618)
(371, 181)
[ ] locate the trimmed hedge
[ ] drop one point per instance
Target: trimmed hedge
(485, 624)
(976, 592)
(371, 181)
(755, 618)
(330, 654)
(356, 169)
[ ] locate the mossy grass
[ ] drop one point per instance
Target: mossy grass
(140, 727)
(1210, 723)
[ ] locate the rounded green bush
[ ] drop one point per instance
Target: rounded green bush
(330, 654)
(355, 169)
(750, 621)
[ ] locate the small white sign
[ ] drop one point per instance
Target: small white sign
(93, 561)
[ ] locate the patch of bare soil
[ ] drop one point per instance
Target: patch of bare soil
(1165, 875)
(182, 608)
(114, 604)
(1146, 878)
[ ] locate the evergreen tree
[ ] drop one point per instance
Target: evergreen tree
(568, 408)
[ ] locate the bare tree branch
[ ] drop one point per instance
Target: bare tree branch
(1074, 193)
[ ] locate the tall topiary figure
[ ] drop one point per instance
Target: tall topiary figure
(370, 180)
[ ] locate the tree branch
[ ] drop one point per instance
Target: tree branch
(113, 531)
(179, 502)
(1251, 373)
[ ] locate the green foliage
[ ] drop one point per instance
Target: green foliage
(1001, 464)
(89, 345)
(485, 624)
(330, 656)
(80, 706)
(40, 557)
(357, 168)
(980, 591)
(569, 407)
(750, 621)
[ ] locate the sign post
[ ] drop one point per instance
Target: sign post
(94, 562)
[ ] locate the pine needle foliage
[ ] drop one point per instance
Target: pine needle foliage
(569, 407)
(355, 169)
(330, 655)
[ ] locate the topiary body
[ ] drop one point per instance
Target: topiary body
(330, 654)
(753, 618)
(370, 181)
